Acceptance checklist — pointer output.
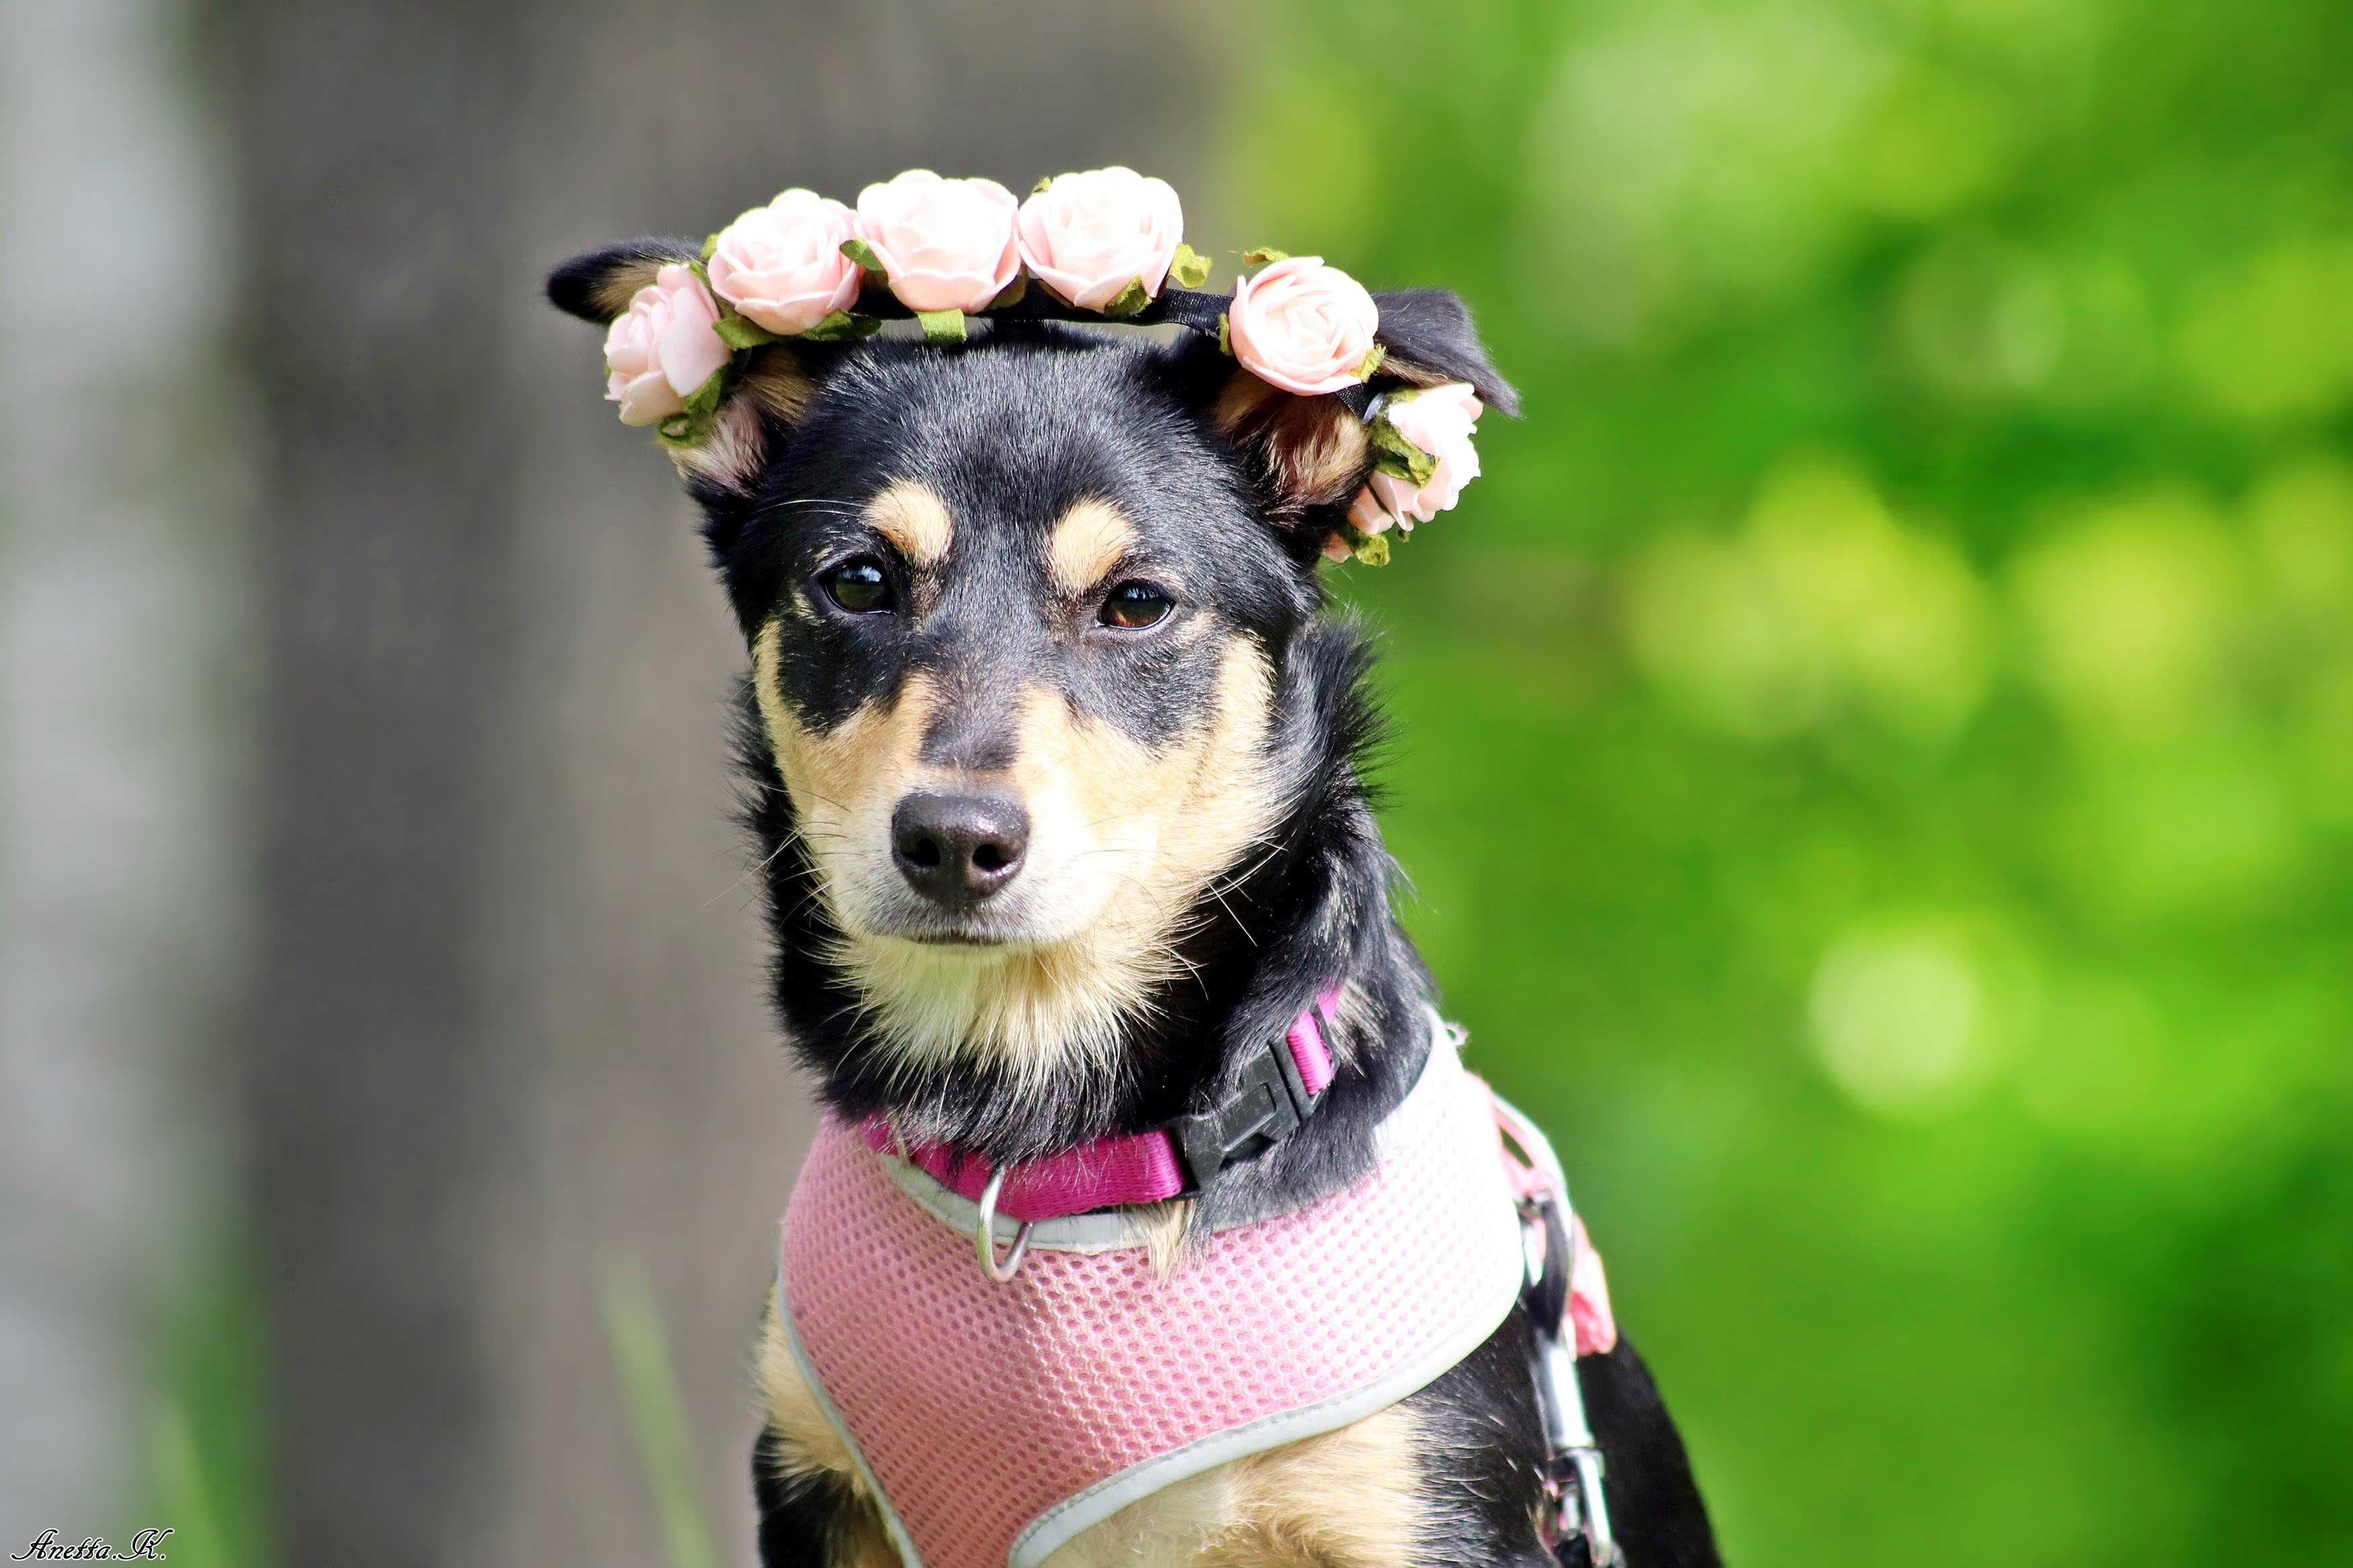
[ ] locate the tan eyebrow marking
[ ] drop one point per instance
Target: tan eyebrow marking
(913, 518)
(1091, 539)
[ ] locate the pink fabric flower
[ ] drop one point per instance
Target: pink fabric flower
(944, 245)
(781, 265)
(1440, 420)
(1088, 236)
(664, 347)
(1302, 326)
(1368, 513)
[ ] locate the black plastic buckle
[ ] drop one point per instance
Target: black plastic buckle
(1265, 1107)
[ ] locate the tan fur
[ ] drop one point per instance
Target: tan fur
(731, 455)
(737, 447)
(1091, 540)
(1346, 1500)
(1315, 448)
(779, 384)
(1167, 1228)
(1413, 374)
(846, 781)
(621, 285)
(915, 521)
(807, 1442)
(1123, 843)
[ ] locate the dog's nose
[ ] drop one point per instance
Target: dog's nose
(957, 850)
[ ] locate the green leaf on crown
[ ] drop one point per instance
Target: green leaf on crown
(1044, 185)
(1259, 255)
(942, 326)
(710, 246)
(742, 332)
(1399, 457)
(1371, 549)
(691, 426)
(1189, 268)
(703, 401)
(1372, 361)
(1130, 300)
(1012, 293)
(1225, 333)
(843, 326)
(860, 252)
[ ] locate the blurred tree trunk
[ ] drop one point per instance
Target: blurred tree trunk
(382, 1112)
(508, 1025)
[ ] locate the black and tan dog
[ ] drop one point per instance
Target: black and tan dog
(1056, 771)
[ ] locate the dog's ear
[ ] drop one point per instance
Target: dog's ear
(1314, 454)
(1311, 453)
(768, 388)
(1431, 339)
(599, 285)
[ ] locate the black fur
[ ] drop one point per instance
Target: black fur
(801, 1513)
(1011, 430)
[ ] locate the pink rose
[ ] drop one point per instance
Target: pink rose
(664, 347)
(944, 245)
(1302, 326)
(1088, 236)
(1368, 513)
(1439, 420)
(781, 265)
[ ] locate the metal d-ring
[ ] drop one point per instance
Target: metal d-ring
(983, 1235)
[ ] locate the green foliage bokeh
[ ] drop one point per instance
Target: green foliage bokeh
(1876, 752)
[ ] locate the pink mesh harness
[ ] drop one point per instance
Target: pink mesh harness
(996, 1422)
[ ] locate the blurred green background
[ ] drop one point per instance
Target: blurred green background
(1874, 754)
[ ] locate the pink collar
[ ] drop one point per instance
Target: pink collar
(1279, 1091)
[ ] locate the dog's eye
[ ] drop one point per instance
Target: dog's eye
(1133, 605)
(859, 586)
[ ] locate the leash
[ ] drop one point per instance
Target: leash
(1575, 1523)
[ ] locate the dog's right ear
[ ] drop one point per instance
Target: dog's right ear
(765, 390)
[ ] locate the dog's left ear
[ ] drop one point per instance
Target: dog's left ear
(599, 285)
(1314, 452)
(1431, 339)
(768, 388)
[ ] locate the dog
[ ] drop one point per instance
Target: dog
(1057, 759)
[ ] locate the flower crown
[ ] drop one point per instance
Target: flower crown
(1106, 245)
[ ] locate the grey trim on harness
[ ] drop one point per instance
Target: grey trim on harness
(900, 1540)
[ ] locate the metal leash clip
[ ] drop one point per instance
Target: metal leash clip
(983, 1235)
(1573, 1463)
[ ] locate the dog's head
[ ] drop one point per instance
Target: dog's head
(1019, 613)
